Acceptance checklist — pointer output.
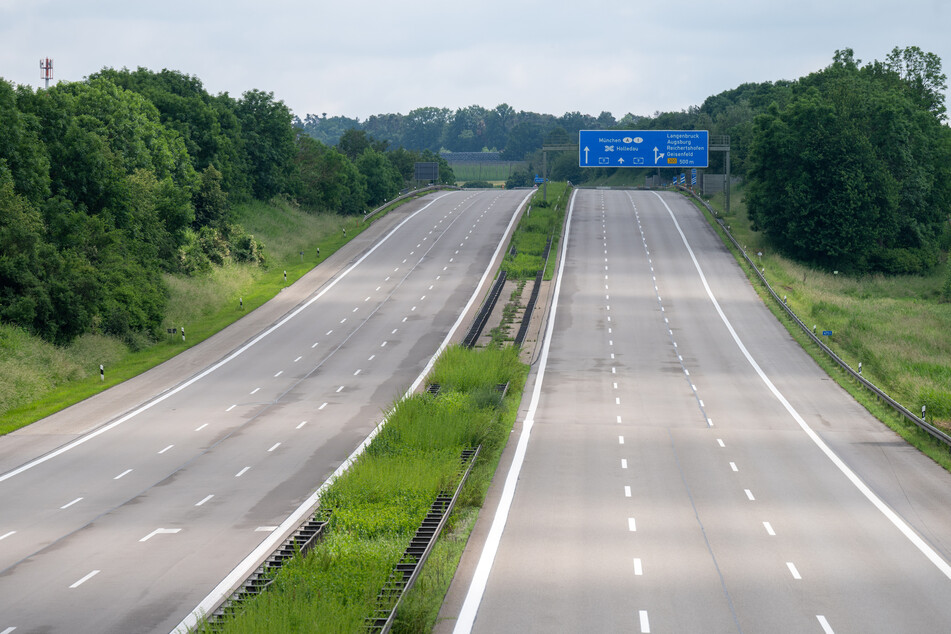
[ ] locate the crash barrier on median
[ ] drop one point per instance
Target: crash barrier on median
(483, 317)
(410, 193)
(533, 299)
(921, 423)
(411, 563)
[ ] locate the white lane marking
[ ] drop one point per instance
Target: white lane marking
(205, 499)
(613, 370)
(824, 624)
(160, 531)
(315, 344)
(863, 488)
(226, 586)
(749, 495)
(383, 345)
(701, 402)
(431, 286)
(201, 427)
(8, 630)
(480, 578)
(279, 373)
(624, 463)
(394, 331)
(124, 473)
(298, 359)
(355, 309)
(69, 504)
(339, 389)
(620, 440)
(5, 535)
(166, 449)
(367, 299)
(615, 385)
(242, 472)
(405, 318)
(413, 309)
(645, 623)
(378, 287)
(274, 446)
(371, 357)
(343, 321)
(792, 570)
(301, 424)
(627, 491)
(638, 568)
(231, 408)
(617, 400)
(85, 579)
(255, 390)
(323, 405)
(265, 529)
(387, 278)
(733, 466)
(618, 419)
(769, 529)
(631, 525)
(357, 372)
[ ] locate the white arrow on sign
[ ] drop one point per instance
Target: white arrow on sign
(621, 160)
(160, 531)
(586, 150)
(657, 156)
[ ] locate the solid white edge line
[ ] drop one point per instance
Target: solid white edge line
(824, 624)
(887, 511)
(480, 578)
(175, 390)
(243, 569)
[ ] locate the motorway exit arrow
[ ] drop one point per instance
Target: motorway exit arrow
(586, 150)
(657, 156)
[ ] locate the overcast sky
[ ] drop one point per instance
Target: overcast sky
(360, 57)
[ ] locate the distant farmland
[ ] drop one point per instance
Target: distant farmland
(480, 166)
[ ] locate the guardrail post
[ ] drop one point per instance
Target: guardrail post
(923, 407)
(860, 368)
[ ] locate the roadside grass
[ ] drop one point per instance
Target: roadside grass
(530, 236)
(43, 379)
(377, 505)
(897, 327)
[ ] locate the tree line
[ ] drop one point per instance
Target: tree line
(107, 183)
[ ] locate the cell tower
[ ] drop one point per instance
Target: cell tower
(46, 65)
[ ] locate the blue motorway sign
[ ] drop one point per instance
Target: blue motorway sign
(643, 148)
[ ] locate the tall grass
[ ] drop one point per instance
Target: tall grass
(898, 327)
(376, 506)
(541, 221)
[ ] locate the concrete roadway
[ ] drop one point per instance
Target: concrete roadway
(128, 530)
(666, 487)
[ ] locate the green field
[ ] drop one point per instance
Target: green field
(485, 171)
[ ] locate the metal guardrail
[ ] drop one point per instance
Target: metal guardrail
(483, 317)
(532, 300)
(405, 572)
(406, 193)
(922, 424)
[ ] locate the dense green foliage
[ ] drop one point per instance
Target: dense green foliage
(853, 172)
(109, 183)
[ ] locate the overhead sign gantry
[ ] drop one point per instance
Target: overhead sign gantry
(643, 148)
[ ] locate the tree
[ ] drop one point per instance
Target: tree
(268, 141)
(328, 181)
(382, 179)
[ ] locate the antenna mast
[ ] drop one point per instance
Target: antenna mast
(46, 65)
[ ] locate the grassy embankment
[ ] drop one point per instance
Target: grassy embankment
(537, 224)
(898, 327)
(378, 504)
(42, 378)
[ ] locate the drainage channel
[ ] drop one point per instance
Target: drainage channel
(411, 563)
(301, 541)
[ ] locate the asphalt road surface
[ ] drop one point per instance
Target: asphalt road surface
(129, 526)
(686, 467)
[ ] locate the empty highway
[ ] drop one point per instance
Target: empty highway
(127, 526)
(683, 466)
